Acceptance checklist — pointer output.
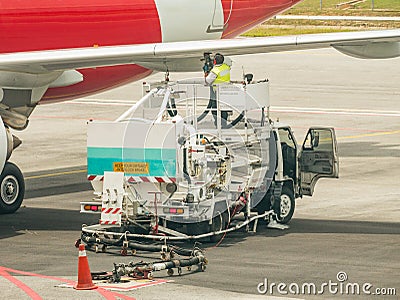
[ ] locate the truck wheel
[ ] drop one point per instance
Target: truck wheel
(220, 222)
(286, 205)
(265, 204)
(12, 188)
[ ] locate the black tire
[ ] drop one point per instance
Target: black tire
(265, 204)
(287, 205)
(12, 188)
(196, 228)
(220, 221)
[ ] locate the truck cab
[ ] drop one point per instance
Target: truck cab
(299, 168)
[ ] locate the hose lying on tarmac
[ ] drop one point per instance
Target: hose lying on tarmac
(144, 270)
(125, 243)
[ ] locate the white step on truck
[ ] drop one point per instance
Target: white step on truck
(194, 161)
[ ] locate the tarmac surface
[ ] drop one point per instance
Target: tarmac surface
(350, 225)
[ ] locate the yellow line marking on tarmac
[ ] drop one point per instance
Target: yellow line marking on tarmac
(369, 134)
(55, 174)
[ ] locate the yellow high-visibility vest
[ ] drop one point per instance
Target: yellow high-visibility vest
(223, 73)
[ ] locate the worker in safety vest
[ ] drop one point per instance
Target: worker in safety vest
(219, 74)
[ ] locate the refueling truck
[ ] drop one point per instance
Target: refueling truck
(190, 161)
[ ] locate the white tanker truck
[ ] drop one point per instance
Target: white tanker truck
(190, 161)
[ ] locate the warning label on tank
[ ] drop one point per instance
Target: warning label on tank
(131, 167)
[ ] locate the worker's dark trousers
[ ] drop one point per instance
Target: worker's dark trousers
(224, 113)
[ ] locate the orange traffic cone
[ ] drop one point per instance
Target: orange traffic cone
(84, 276)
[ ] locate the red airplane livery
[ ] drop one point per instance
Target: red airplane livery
(61, 50)
(46, 24)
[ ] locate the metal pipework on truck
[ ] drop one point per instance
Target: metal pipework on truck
(180, 159)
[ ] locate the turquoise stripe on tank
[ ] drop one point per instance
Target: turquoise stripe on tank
(162, 162)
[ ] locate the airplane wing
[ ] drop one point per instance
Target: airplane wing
(185, 56)
(28, 75)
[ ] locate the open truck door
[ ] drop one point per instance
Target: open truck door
(318, 158)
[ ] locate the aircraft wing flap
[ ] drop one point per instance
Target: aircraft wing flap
(162, 56)
(240, 46)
